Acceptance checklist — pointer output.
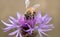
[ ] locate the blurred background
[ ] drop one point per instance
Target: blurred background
(10, 8)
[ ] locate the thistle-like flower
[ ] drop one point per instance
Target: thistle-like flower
(29, 22)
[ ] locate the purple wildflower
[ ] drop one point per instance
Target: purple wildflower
(29, 25)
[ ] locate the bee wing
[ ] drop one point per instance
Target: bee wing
(36, 6)
(27, 2)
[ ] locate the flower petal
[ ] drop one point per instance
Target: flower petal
(39, 18)
(45, 16)
(11, 21)
(30, 31)
(45, 30)
(40, 33)
(7, 29)
(44, 33)
(47, 26)
(18, 15)
(6, 23)
(39, 15)
(17, 35)
(46, 19)
(13, 33)
(20, 35)
(12, 18)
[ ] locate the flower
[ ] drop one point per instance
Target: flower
(29, 25)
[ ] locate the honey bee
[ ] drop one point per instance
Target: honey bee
(30, 13)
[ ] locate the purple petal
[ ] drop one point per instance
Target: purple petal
(12, 18)
(39, 15)
(21, 21)
(13, 33)
(6, 23)
(30, 31)
(46, 30)
(44, 33)
(45, 16)
(11, 21)
(18, 15)
(40, 33)
(29, 26)
(20, 35)
(7, 29)
(47, 26)
(46, 19)
(17, 35)
(39, 18)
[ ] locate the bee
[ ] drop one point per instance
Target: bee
(30, 13)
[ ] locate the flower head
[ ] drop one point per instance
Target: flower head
(29, 25)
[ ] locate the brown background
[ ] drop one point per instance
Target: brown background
(52, 7)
